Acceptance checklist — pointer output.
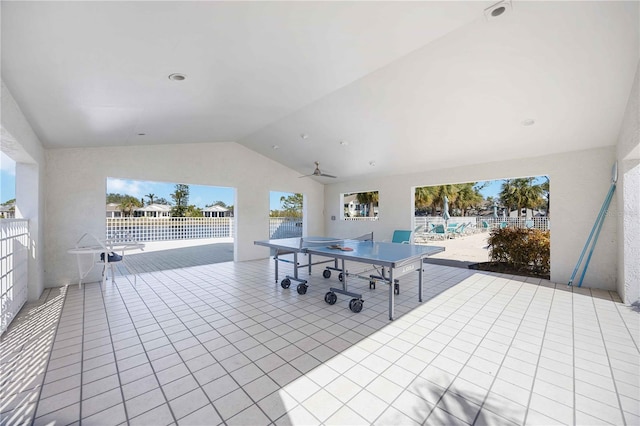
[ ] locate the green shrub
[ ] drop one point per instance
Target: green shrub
(523, 249)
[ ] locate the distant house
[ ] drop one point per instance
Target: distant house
(8, 211)
(354, 209)
(153, 210)
(215, 211)
(113, 210)
(528, 213)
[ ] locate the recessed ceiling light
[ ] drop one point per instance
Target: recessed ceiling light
(528, 122)
(177, 77)
(497, 9)
(344, 143)
(142, 134)
(275, 147)
(304, 136)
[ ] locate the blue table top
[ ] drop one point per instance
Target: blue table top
(362, 251)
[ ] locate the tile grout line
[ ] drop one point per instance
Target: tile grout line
(573, 353)
(176, 351)
(224, 368)
(106, 314)
(46, 367)
(440, 353)
(146, 355)
(442, 303)
(302, 373)
(84, 301)
(262, 343)
(465, 364)
(606, 351)
(532, 297)
(535, 373)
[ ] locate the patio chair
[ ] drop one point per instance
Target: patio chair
(438, 232)
(459, 230)
(529, 224)
(402, 237)
(419, 235)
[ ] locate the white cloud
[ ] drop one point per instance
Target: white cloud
(7, 165)
(125, 187)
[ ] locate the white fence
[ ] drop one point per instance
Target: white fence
(285, 227)
(168, 228)
(484, 223)
(14, 243)
(362, 218)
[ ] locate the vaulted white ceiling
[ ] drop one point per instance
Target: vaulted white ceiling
(407, 85)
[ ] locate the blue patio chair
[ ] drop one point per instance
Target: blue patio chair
(438, 232)
(402, 237)
(528, 224)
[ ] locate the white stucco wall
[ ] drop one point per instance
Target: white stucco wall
(628, 207)
(20, 142)
(76, 187)
(579, 182)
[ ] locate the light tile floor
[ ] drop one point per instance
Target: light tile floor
(223, 344)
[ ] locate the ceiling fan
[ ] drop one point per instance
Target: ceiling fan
(317, 172)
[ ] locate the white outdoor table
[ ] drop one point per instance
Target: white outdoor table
(95, 250)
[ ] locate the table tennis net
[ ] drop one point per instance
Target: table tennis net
(316, 242)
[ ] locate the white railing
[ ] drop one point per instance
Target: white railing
(362, 218)
(485, 223)
(14, 250)
(168, 228)
(285, 227)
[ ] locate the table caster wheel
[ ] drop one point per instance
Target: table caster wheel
(341, 277)
(285, 283)
(326, 273)
(355, 305)
(302, 288)
(330, 298)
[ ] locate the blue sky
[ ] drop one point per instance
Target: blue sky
(200, 195)
(7, 178)
(494, 186)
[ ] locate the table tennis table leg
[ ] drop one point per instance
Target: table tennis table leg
(391, 294)
(420, 273)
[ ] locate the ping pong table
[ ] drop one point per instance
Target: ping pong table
(390, 261)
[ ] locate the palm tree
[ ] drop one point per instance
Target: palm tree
(425, 196)
(441, 191)
(546, 194)
(521, 193)
(369, 198)
(128, 204)
(467, 196)
(151, 197)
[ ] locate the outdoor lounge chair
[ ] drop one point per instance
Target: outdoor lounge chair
(438, 232)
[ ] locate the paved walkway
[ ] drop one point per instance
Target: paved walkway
(163, 255)
(461, 251)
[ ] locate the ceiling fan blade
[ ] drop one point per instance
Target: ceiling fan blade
(326, 175)
(305, 176)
